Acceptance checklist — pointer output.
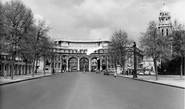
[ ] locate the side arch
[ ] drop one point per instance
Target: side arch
(73, 64)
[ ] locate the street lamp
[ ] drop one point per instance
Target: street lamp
(135, 63)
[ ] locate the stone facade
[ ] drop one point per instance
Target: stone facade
(71, 55)
(20, 67)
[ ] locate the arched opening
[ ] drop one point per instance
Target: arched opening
(162, 32)
(73, 64)
(94, 64)
(64, 63)
(84, 64)
(104, 63)
(166, 32)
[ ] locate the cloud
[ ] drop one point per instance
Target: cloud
(178, 10)
(99, 19)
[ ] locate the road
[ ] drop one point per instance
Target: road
(89, 91)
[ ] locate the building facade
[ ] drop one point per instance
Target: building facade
(20, 66)
(71, 55)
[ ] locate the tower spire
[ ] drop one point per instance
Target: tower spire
(164, 20)
(164, 3)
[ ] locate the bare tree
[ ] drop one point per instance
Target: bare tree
(118, 48)
(155, 45)
(178, 36)
(2, 29)
(45, 49)
(18, 19)
(41, 32)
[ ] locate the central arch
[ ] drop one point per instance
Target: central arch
(84, 64)
(73, 64)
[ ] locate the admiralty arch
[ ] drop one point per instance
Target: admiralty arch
(70, 55)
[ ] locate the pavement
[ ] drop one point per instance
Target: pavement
(168, 80)
(20, 78)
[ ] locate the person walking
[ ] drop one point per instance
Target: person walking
(5, 74)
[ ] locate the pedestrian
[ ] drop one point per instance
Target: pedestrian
(53, 71)
(165, 72)
(126, 72)
(5, 74)
(115, 74)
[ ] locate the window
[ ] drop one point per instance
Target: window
(71, 51)
(166, 32)
(162, 32)
(58, 58)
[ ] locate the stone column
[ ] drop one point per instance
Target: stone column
(24, 69)
(27, 69)
(67, 63)
(16, 69)
(61, 62)
(107, 63)
(21, 69)
(3, 69)
(89, 63)
(78, 63)
(100, 63)
(30, 67)
(8, 69)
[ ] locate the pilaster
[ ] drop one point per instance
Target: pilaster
(78, 64)
(89, 63)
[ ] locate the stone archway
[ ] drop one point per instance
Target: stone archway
(84, 64)
(94, 63)
(73, 64)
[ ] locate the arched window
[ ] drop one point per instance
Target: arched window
(162, 32)
(166, 32)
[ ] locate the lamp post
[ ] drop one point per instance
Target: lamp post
(135, 63)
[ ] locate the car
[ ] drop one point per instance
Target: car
(97, 71)
(109, 71)
(140, 73)
(152, 73)
(105, 72)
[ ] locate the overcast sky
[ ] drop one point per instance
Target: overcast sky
(99, 19)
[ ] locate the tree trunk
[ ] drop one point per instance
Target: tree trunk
(26, 67)
(184, 64)
(123, 66)
(156, 70)
(181, 67)
(53, 70)
(12, 66)
(44, 64)
(33, 69)
(36, 63)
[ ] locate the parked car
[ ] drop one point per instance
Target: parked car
(140, 73)
(105, 72)
(109, 71)
(97, 71)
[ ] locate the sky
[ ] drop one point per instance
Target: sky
(99, 19)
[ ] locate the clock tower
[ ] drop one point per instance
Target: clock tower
(165, 25)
